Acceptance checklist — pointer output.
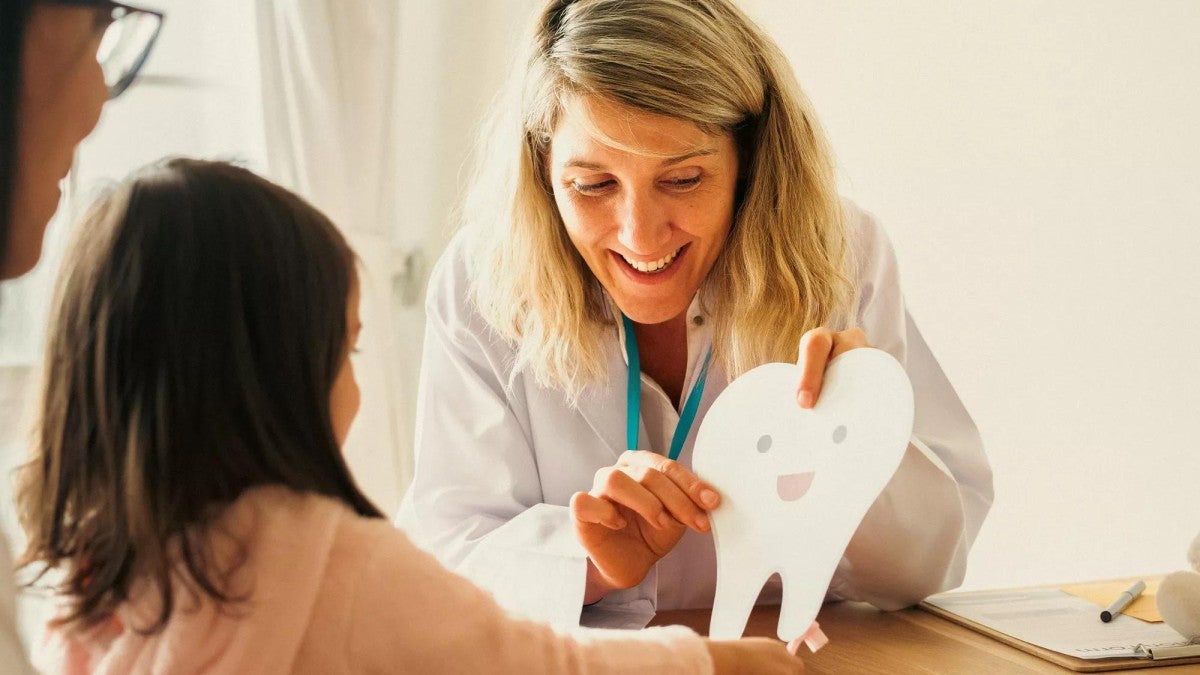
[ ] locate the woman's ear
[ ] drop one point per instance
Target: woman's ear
(539, 152)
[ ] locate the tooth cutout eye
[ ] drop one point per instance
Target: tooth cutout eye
(764, 443)
(839, 434)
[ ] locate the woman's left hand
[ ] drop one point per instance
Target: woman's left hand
(818, 347)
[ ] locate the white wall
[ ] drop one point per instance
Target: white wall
(1038, 168)
(455, 54)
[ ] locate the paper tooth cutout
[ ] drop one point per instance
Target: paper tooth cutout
(796, 483)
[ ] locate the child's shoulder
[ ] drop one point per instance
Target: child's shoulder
(272, 507)
(368, 543)
(355, 531)
(293, 526)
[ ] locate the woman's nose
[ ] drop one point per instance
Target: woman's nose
(644, 226)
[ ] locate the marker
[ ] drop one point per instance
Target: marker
(1122, 601)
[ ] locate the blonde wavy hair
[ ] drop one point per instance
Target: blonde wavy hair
(786, 265)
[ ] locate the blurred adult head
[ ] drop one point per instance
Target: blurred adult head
(60, 60)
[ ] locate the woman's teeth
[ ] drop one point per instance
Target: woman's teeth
(654, 266)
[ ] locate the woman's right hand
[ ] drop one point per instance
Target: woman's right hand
(635, 513)
(752, 655)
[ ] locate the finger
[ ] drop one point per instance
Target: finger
(588, 509)
(676, 501)
(851, 338)
(620, 488)
(815, 347)
(704, 495)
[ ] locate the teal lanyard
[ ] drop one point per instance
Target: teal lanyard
(633, 412)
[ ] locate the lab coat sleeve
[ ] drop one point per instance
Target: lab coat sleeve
(476, 500)
(915, 538)
(434, 621)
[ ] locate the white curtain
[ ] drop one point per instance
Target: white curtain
(328, 73)
(370, 110)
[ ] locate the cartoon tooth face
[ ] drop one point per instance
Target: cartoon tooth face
(796, 483)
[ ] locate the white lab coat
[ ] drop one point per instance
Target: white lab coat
(496, 465)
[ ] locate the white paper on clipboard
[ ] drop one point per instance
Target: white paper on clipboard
(1058, 621)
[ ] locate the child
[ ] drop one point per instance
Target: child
(188, 482)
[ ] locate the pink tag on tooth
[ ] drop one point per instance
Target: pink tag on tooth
(814, 637)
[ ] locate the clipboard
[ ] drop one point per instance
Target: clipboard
(1157, 653)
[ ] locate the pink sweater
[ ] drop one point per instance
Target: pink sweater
(332, 592)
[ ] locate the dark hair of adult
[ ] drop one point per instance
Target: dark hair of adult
(200, 323)
(13, 15)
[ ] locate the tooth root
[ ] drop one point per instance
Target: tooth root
(738, 584)
(793, 621)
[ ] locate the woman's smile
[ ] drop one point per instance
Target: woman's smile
(652, 267)
(654, 271)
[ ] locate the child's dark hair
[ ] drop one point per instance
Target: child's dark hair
(199, 326)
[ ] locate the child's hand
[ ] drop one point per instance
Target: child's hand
(752, 655)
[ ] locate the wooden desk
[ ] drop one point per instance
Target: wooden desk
(865, 640)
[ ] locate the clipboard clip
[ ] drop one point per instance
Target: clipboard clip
(1163, 652)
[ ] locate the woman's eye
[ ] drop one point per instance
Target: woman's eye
(591, 188)
(682, 184)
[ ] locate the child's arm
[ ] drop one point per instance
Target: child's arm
(411, 613)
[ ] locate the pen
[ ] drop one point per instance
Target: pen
(1117, 606)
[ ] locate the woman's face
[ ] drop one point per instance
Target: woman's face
(345, 398)
(651, 223)
(62, 92)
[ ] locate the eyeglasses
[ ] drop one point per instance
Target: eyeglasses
(129, 35)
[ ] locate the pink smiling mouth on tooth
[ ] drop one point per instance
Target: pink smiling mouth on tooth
(794, 485)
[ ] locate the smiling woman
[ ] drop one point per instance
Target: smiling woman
(653, 215)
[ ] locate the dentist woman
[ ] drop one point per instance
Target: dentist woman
(656, 190)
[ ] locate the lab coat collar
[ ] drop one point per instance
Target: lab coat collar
(602, 404)
(696, 317)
